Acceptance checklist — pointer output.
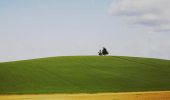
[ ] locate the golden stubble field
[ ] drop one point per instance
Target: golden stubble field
(158, 95)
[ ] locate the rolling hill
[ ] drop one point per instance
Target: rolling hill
(84, 74)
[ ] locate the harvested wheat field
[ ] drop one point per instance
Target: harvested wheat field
(159, 95)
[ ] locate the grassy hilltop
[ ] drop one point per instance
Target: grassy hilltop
(84, 74)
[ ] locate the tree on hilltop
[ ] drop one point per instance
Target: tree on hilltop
(104, 51)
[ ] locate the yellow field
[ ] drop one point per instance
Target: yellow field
(159, 95)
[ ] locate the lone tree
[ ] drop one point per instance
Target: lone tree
(104, 51)
(100, 53)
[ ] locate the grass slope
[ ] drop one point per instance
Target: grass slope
(84, 74)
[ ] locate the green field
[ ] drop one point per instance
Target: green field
(84, 74)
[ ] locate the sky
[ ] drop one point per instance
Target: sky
(42, 28)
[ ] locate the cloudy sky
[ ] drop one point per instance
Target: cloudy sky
(42, 28)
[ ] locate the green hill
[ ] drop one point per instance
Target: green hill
(84, 74)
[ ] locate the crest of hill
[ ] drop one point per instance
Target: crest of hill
(84, 74)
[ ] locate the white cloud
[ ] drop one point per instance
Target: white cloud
(154, 14)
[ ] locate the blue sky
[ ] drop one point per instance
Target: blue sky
(41, 28)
